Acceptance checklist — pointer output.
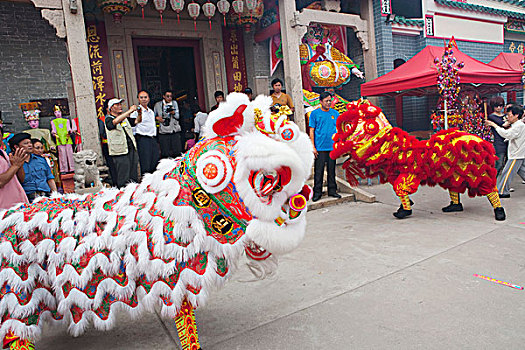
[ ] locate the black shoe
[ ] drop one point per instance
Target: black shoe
(452, 208)
(499, 214)
(316, 197)
(402, 213)
(335, 195)
(504, 195)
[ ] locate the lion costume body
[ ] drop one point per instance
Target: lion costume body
(453, 159)
(167, 242)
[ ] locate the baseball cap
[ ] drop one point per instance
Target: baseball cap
(114, 101)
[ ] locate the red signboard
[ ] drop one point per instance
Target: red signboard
(234, 59)
(99, 61)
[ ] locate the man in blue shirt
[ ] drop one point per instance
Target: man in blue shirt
(322, 127)
(35, 176)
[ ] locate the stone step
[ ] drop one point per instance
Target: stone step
(326, 201)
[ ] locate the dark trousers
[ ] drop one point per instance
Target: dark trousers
(322, 158)
(170, 145)
(126, 166)
(148, 153)
(109, 162)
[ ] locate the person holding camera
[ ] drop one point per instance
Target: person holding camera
(167, 114)
(145, 132)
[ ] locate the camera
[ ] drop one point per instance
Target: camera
(169, 109)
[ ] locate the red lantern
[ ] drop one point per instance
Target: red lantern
(177, 6)
(224, 8)
(209, 11)
(160, 5)
(194, 9)
(238, 7)
(142, 3)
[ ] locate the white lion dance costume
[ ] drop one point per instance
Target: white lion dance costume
(168, 241)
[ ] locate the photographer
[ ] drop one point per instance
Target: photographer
(167, 114)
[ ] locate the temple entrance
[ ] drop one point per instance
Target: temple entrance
(169, 64)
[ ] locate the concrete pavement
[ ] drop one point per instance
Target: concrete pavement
(365, 280)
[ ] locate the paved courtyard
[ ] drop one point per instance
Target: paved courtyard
(363, 280)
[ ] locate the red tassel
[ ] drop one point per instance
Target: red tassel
(178, 21)
(224, 18)
(161, 18)
(142, 12)
(194, 25)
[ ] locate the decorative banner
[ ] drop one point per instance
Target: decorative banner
(99, 61)
(429, 26)
(386, 7)
(234, 59)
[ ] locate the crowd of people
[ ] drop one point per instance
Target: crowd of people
(140, 136)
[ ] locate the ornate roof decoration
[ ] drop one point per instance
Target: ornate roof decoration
(486, 9)
(408, 21)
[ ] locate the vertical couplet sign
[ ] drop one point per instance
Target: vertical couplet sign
(99, 61)
(234, 59)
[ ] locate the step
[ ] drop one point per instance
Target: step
(326, 201)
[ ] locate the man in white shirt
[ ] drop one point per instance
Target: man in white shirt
(145, 132)
(167, 114)
(515, 135)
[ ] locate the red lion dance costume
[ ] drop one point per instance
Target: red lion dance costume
(166, 242)
(455, 160)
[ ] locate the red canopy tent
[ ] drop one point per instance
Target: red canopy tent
(509, 61)
(418, 76)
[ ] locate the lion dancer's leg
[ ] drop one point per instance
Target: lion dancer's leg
(405, 185)
(13, 342)
(187, 327)
(455, 204)
(499, 212)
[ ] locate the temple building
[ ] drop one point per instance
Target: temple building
(87, 51)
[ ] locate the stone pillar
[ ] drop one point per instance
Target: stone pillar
(81, 77)
(369, 55)
(291, 39)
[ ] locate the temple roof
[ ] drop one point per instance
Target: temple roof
(486, 9)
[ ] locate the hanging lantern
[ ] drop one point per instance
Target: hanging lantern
(251, 5)
(209, 11)
(160, 5)
(224, 7)
(194, 10)
(117, 8)
(248, 15)
(142, 3)
(238, 7)
(177, 6)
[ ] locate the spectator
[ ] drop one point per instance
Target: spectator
(516, 150)
(104, 145)
(191, 140)
(278, 96)
(38, 149)
(122, 147)
(143, 119)
(200, 121)
(11, 192)
(186, 118)
(167, 113)
(219, 97)
(497, 104)
(35, 175)
(322, 127)
(248, 91)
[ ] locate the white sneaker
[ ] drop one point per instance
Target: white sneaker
(511, 190)
(523, 181)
